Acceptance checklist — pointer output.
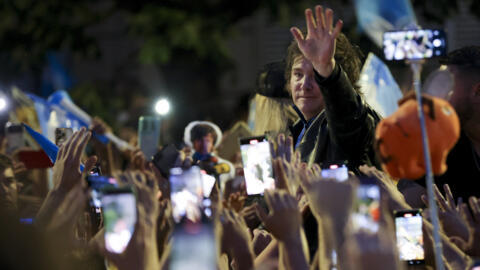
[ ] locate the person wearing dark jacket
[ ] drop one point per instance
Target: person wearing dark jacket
(335, 125)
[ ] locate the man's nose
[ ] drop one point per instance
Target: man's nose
(307, 83)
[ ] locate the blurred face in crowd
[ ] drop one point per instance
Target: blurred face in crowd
(8, 188)
(204, 145)
(465, 96)
(305, 91)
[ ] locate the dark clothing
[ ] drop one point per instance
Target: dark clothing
(463, 173)
(344, 131)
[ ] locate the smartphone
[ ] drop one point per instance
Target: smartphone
(186, 194)
(414, 44)
(165, 159)
(257, 164)
(148, 135)
(476, 265)
(366, 214)
(335, 171)
(97, 184)
(408, 229)
(96, 171)
(62, 135)
(193, 247)
(208, 182)
(193, 232)
(15, 137)
(119, 216)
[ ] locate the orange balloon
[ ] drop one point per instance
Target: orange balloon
(399, 137)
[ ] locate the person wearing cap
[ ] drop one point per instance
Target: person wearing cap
(203, 137)
(463, 161)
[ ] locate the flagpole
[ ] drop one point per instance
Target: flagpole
(416, 66)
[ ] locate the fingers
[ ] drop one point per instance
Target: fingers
(475, 207)
(338, 29)
(320, 18)
(69, 144)
(449, 196)
(288, 148)
(89, 164)
(310, 22)
(80, 146)
(261, 214)
(272, 149)
(459, 203)
(280, 145)
(329, 20)
(280, 176)
(317, 171)
(440, 199)
(466, 215)
(297, 34)
(304, 180)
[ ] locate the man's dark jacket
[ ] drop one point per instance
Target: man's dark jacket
(343, 132)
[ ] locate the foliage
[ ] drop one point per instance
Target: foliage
(31, 28)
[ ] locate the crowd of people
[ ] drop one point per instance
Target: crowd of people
(153, 217)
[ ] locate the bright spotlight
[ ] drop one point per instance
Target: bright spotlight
(162, 106)
(3, 103)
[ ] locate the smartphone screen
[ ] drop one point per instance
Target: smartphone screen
(193, 247)
(257, 164)
(408, 225)
(97, 184)
(366, 213)
(208, 182)
(120, 216)
(186, 193)
(414, 44)
(148, 135)
(14, 135)
(335, 171)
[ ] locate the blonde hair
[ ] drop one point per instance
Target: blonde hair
(273, 114)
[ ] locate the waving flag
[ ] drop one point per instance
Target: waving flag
(378, 16)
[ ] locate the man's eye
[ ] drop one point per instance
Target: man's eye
(297, 74)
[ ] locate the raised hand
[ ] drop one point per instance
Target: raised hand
(284, 220)
(453, 224)
(66, 175)
(234, 238)
(328, 198)
(319, 45)
(66, 171)
(282, 148)
(472, 245)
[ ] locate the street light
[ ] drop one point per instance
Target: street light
(162, 106)
(3, 104)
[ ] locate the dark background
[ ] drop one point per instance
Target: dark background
(117, 57)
